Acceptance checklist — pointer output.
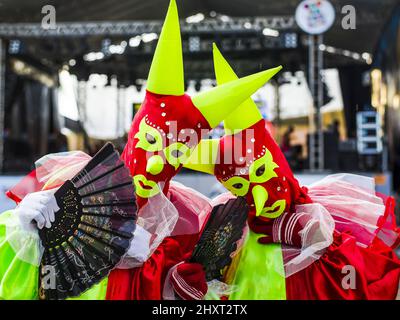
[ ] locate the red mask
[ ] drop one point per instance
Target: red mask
(163, 132)
(252, 165)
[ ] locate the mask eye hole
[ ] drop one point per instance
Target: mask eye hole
(238, 185)
(150, 139)
(176, 153)
(260, 171)
(263, 169)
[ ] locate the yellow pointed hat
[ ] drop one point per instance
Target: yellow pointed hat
(218, 103)
(166, 72)
(248, 113)
(203, 156)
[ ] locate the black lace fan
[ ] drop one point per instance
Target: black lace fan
(220, 235)
(92, 229)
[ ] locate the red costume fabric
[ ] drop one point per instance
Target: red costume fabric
(368, 254)
(376, 272)
(147, 282)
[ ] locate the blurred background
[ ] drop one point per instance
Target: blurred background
(73, 74)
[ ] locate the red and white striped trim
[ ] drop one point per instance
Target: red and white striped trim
(182, 287)
(293, 224)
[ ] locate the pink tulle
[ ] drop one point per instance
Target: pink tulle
(356, 208)
(51, 171)
(346, 203)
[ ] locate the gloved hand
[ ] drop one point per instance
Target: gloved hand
(140, 244)
(37, 207)
(284, 229)
(189, 281)
(138, 251)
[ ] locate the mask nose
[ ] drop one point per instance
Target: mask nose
(155, 165)
(260, 197)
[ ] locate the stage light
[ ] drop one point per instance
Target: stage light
(116, 49)
(330, 49)
(194, 44)
(247, 25)
(224, 18)
(196, 18)
(72, 62)
(290, 40)
(14, 46)
(93, 56)
(346, 53)
(367, 57)
(148, 37)
(268, 32)
(135, 41)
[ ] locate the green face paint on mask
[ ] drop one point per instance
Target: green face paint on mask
(150, 138)
(275, 210)
(145, 188)
(176, 154)
(237, 185)
(262, 169)
(155, 165)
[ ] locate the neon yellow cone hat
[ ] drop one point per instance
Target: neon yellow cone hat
(166, 71)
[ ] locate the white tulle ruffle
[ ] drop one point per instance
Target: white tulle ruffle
(341, 202)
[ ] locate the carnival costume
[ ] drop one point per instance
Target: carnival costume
(332, 240)
(164, 132)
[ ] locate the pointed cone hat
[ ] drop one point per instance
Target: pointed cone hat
(203, 156)
(166, 71)
(219, 103)
(248, 113)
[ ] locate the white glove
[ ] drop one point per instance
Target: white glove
(37, 207)
(138, 251)
(140, 244)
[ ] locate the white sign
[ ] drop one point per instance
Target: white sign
(315, 16)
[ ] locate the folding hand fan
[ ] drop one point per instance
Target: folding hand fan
(220, 235)
(92, 230)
